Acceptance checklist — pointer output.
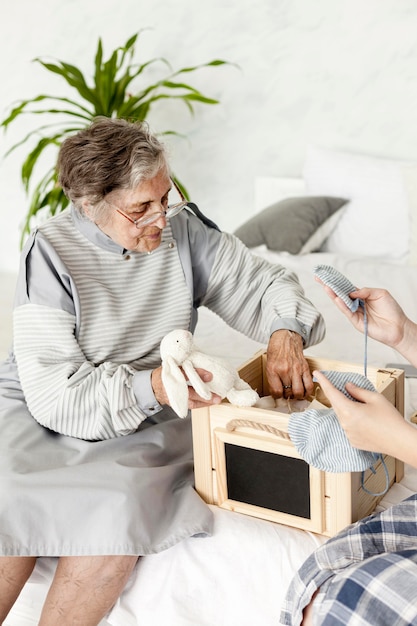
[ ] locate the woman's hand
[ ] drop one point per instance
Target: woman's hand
(287, 370)
(386, 319)
(194, 400)
(387, 322)
(372, 423)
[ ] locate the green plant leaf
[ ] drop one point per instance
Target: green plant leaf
(119, 87)
(214, 63)
(33, 156)
(74, 77)
(180, 187)
(46, 194)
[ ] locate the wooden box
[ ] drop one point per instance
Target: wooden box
(245, 462)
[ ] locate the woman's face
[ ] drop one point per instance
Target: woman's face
(150, 197)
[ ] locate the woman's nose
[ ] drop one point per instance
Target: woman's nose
(160, 218)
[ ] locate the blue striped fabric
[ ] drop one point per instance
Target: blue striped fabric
(339, 380)
(319, 438)
(339, 284)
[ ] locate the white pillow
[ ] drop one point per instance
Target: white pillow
(271, 189)
(376, 221)
(322, 233)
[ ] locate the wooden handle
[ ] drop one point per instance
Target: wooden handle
(230, 426)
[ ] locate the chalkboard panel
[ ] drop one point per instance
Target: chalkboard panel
(268, 480)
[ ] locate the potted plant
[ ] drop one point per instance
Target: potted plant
(118, 89)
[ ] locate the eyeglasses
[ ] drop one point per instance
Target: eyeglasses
(170, 211)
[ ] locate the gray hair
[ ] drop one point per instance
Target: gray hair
(110, 154)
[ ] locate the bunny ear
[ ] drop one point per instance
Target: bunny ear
(195, 380)
(175, 386)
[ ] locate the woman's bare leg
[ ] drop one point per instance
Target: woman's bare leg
(85, 588)
(308, 612)
(14, 572)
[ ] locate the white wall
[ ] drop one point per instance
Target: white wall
(336, 73)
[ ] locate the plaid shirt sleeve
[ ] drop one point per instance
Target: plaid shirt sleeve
(392, 531)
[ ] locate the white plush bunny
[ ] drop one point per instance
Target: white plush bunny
(178, 350)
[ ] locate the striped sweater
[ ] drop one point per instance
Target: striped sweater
(89, 316)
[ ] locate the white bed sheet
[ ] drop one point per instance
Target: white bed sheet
(238, 576)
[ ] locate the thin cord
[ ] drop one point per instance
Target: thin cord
(384, 491)
(365, 330)
(365, 369)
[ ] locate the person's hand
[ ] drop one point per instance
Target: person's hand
(287, 370)
(386, 319)
(194, 400)
(372, 423)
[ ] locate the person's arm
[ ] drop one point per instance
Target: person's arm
(372, 423)
(70, 395)
(265, 301)
(386, 320)
(63, 390)
(257, 297)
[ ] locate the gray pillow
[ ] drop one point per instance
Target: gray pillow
(289, 224)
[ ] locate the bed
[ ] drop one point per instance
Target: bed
(239, 575)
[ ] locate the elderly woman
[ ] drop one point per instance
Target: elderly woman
(96, 468)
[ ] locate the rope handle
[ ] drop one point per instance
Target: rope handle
(231, 426)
